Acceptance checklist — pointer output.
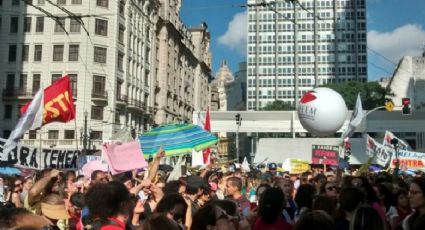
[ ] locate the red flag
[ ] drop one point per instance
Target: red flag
(207, 126)
(58, 102)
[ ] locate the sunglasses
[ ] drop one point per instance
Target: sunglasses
(331, 188)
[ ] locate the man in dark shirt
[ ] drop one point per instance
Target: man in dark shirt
(271, 172)
(194, 189)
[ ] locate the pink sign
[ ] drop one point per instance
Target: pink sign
(124, 157)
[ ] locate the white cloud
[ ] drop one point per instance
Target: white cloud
(235, 36)
(406, 40)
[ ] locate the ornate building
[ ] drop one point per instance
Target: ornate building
(182, 66)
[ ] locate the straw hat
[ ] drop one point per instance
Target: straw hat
(53, 207)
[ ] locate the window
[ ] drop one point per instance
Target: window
(56, 77)
(73, 52)
(53, 134)
(38, 52)
(58, 53)
(121, 34)
(121, 61)
(97, 112)
(61, 2)
(14, 21)
(96, 135)
(102, 3)
(10, 82)
(25, 52)
(27, 24)
(15, 2)
(100, 55)
(73, 78)
(60, 25)
(101, 27)
(8, 111)
(12, 53)
(69, 134)
(35, 83)
(98, 84)
(32, 134)
(39, 24)
(23, 82)
(122, 8)
(1, 22)
(76, 2)
(74, 26)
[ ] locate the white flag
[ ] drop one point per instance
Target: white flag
(31, 119)
(177, 170)
(356, 119)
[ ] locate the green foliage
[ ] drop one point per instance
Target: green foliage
(371, 93)
(278, 106)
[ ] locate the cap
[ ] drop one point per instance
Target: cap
(272, 166)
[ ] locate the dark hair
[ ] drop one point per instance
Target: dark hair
(366, 218)
(203, 217)
(168, 205)
(235, 182)
(325, 203)
(304, 196)
(171, 187)
(417, 221)
(388, 196)
(194, 183)
(160, 221)
(317, 220)
(69, 174)
(123, 177)
(8, 216)
(77, 199)
(105, 200)
(94, 174)
(271, 204)
(350, 198)
(397, 195)
(227, 205)
(371, 196)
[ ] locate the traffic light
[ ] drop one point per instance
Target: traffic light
(389, 105)
(405, 102)
(238, 119)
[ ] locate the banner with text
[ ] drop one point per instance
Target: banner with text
(325, 154)
(380, 152)
(400, 143)
(409, 160)
(31, 157)
(295, 166)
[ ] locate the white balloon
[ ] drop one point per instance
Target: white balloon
(322, 111)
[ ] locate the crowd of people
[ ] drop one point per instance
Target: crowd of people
(213, 199)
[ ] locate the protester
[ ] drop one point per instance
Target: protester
(234, 193)
(317, 220)
(366, 218)
(212, 217)
(416, 220)
(304, 199)
(28, 183)
(272, 203)
(403, 207)
(349, 200)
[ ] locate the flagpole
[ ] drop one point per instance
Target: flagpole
(40, 153)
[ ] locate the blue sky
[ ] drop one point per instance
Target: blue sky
(395, 28)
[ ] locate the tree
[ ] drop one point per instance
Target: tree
(278, 106)
(371, 93)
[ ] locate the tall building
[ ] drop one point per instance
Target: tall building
(105, 48)
(236, 90)
(183, 66)
(329, 46)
